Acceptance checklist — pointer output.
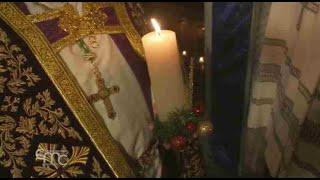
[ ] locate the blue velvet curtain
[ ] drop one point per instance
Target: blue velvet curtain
(230, 46)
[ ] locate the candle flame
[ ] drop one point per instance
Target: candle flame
(184, 53)
(201, 60)
(156, 26)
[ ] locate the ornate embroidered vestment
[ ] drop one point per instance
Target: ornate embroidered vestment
(47, 126)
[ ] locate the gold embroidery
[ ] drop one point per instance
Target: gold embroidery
(2, 82)
(52, 14)
(53, 121)
(27, 126)
(74, 24)
(88, 6)
(92, 22)
(10, 104)
(66, 84)
(13, 148)
(127, 25)
(138, 17)
(93, 41)
(20, 77)
(56, 167)
(97, 171)
(15, 138)
(69, 40)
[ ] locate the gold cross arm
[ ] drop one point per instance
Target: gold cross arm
(304, 5)
(311, 6)
(104, 94)
(71, 22)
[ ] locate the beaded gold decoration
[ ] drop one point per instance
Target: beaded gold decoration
(76, 25)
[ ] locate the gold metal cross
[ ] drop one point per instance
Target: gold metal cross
(311, 6)
(104, 94)
(304, 5)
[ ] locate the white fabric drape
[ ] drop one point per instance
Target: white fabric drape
(288, 71)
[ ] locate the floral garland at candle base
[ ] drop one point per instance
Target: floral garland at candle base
(180, 133)
(180, 126)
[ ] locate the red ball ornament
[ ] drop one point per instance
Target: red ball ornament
(197, 110)
(191, 127)
(178, 142)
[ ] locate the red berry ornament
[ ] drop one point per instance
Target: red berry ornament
(197, 110)
(191, 127)
(178, 142)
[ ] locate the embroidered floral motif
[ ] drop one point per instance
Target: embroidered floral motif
(97, 170)
(53, 120)
(58, 162)
(10, 104)
(59, 76)
(27, 126)
(13, 61)
(2, 81)
(16, 134)
(13, 147)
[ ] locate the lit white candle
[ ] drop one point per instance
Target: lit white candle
(162, 57)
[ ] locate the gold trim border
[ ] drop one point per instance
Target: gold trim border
(36, 18)
(68, 88)
(126, 27)
(131, 33)
(69, 39)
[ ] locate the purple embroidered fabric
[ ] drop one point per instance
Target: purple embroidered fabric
(52, 30)
(22, 6)
(137, 22)
(112, 19)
